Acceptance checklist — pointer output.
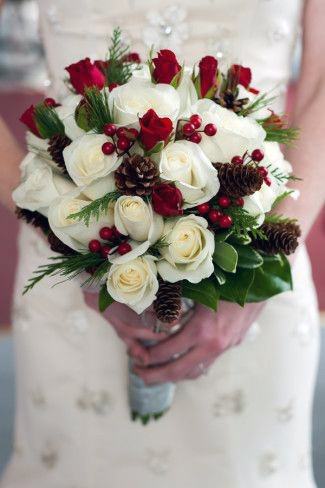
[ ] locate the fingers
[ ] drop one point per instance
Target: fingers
(177, 344)
(174, 371)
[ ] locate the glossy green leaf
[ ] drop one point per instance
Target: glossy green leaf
(222, 235)
(156, 149)
(206, 292)
(104, 299)
(248, 257)
(272, 278)
(220, 275)
(225, 256)
(237, 285)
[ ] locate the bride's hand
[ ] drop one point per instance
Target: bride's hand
(202, 340)
(128, 327)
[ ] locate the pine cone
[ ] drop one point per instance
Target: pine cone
(58, 246)
(34, 218)
(56, 145)
(136, 175)
(237, 180)
(228, 99)
(280, 237)
(168, 302)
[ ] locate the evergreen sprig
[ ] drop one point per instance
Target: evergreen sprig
(97, 109)
(282, 135)
(244, 225)
(280, 176)
(95, 208)
(118, 70)
(260, 102)
(278, 219)
(48, 121)
(65, 266)
(281, 197)
(154, 250)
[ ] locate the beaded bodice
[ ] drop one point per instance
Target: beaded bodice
(258, 33)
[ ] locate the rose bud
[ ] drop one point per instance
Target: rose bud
(167, 200)
(102, 65)
(242, 75)
(208, 77)
(85, 74)
(154, 129)
(132, 58)
(28, 119)
(166, 68)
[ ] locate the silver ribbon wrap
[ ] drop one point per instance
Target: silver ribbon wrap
(154, 400)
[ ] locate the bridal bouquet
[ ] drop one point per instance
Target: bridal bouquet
(158, 183)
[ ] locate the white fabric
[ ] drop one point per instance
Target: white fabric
(246, 424)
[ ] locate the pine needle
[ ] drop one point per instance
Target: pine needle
(48, 121)
(280, 176)
(95, 208)
(118, 71)
(260, 102)
(66, 266)
(281, 197)
(278, 219)
(282, 135)
(244, 225)
(97, 109)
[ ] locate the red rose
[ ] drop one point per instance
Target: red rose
(242, 75)
(85, 74)
(131, 58)
(208, 75)
(167, 200)
(166, 67)
(154, 129)
(102, 65)
(28, 118)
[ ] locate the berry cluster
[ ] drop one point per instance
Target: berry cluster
(115, 242)
(257, 156)
(122, 138)
(191, 132)
(215, 215)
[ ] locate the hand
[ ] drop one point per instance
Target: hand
(203, 339)
(128, 326)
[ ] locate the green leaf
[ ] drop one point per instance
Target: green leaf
(156, 149)
(237, 285)
(220, 275)
(206, 292)
(272, 278)
(222, 235)
(248, 257)
(104, 299)
(225, 256)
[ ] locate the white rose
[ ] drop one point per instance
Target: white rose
(66, 113)
(261, 201)
(135, 98)
(235, 134)
(40, 185)
(135, 218)
(99, 188)
(186, 164)
(188, 255)
(72, 232)
(85, 160)
(134, 283)
(187, 93)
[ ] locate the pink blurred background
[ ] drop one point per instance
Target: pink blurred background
(12, 104)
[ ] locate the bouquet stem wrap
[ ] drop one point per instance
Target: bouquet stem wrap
(152, 401)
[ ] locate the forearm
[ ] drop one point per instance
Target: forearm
(10, 157)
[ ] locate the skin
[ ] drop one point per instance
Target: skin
(208, 335)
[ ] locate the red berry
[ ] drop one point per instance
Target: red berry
(131, 133)
(224, 201)
(124, 248)
(50, 102)
(116, 233)
(267, 181)
(111, 86)
(106, 233)
(108, 148)
(120, 131)
(239, 202)
(263, 171)
(210, 129)
(94, 245)
(196, 120)
(237, 160)
(203, 208)
(257, 155)
(109, 130)
(105, 250)
(188, 129)
(214, 216)
(225, 222)
(196, 138)
(123, 143)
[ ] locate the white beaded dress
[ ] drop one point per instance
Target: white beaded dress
(246, 424)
